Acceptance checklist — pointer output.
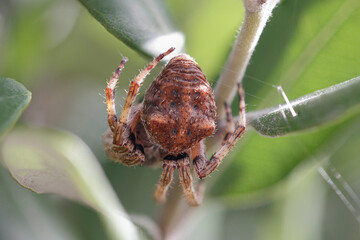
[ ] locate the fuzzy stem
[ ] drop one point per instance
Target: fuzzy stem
(174, 209)
(257, 13)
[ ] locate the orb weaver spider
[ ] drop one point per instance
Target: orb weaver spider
(170, 125)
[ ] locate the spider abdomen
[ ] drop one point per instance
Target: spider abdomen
(179, 108)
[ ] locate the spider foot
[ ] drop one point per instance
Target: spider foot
(199, 164)
(203, 167)
(122, 155)
(127, 154)
(133, 158)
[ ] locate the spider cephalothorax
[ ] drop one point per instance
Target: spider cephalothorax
(177, 114)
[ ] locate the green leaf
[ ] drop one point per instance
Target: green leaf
(21, 208)
(263, 162)
(14, 98)
(311, 110)
(24, 41)
(305, 47)
(143, 25)
(52, 161)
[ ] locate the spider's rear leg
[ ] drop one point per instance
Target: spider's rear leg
(135, 86)
(203, 167)
(122, 133)
(110, 96)
(124, 149)
(123, 154)
(182, 163)
(127, 154)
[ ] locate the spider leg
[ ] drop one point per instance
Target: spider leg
(194, 198)
(134, 89)
(128, 153)
(166, 177)
(123, 148)
(110, 95)
(229, 123)
(202, 167)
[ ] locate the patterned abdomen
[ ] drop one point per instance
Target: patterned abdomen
(179, 108)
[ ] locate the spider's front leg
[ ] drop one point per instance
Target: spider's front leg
(194, 198)
(166, 178)
(203, 167)
(182, 163)
(123, 148)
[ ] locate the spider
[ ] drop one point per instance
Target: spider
(170, 125)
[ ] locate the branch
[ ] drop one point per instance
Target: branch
(257, 13)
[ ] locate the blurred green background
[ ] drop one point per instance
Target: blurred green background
(269, 188)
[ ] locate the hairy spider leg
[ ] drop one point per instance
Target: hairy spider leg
(110, 95)
(122, 149)
(183, 165)
(166, 178)
(230, 126)
(186, 181)
(203, 167)
(133, 91)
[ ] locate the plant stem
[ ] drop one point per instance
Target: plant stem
(257, 13)
(171, 212)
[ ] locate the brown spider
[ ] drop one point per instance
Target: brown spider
(170, 125)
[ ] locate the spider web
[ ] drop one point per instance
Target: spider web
(336, 164)
(346, 190)
(329, 172)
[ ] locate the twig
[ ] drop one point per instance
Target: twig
(171, 211)
(257, 13)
